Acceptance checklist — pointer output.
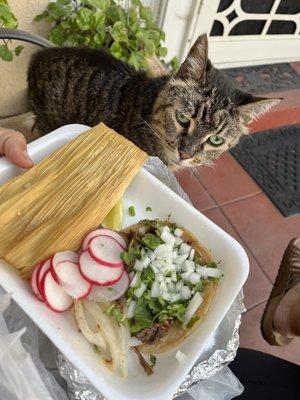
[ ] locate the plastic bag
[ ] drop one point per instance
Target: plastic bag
(22, 374)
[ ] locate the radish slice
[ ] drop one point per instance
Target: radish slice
(62, 256)
(100, 232)
(97, 273)
(40, 273)
(110, 293)
(70, 279)
(106, 250)
(54, 296)
(33, 282)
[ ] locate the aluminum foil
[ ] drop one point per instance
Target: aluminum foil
(219, 352)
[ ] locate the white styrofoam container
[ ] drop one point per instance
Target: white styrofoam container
(145, 190)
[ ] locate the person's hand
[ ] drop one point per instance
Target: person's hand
(13, 146)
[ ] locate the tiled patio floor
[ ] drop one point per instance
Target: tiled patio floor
(227, 195)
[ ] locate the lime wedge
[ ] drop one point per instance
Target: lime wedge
(114, 219)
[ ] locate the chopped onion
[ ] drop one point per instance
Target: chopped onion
(178, 241)
(179, 285)
(130, 309)
(209, 272)
(167, 237)
(186, 275)
(174, 297)
(180, 258)
(159, 277)
(185, 293)
(192, 254)
(189, 266)
(140, 291)
(142, 230)
(168, 279)
(151, 255)
(155, 291)
(165, 295)
(171, 287)
(166, 229)
(180, 356)
(194, 278)
(174, 276)
(184, 248)
(174, 254)
(138, 265)
(146, 262)
(178, 232)
(163, 286)
(135, 279)
(163, 248)
(193, 306)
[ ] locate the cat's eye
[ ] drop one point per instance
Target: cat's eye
(216, 140)
(182, 119)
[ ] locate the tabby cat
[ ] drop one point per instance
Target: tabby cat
(188, 119)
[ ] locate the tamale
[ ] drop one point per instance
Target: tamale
(53, 206)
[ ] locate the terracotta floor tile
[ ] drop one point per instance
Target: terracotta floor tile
(263, 229)
(199, 196)
(227, 181)
(250, 337)
(257, 286)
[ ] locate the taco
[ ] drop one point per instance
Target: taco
(173, 282)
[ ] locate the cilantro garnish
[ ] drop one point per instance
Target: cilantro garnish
(131, 211)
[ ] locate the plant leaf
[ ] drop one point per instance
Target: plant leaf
(18, 50)
(5, 53)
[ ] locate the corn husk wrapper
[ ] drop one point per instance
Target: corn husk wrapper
(55, 204)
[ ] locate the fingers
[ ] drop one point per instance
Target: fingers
(13, 145)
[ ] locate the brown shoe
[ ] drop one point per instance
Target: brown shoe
(288, 276)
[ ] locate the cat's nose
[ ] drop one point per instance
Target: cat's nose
(184, 155)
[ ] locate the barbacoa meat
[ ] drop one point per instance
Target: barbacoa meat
(150, 335)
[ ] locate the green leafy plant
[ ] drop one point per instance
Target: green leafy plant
(129, 34)
(8, 20)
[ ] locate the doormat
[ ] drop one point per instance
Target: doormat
(272, 158)
(265, 78)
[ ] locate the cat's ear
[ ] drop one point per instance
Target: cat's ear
(195, 64)
(255, 108)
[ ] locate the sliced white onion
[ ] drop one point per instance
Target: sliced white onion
(209, 272)
(142, 230)
(193, 306)
(140, 291)
(130, 309)
(180, 356)
(166, 229)
(194, 278)
(184, 249)
(185, 293)
(192, 254)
